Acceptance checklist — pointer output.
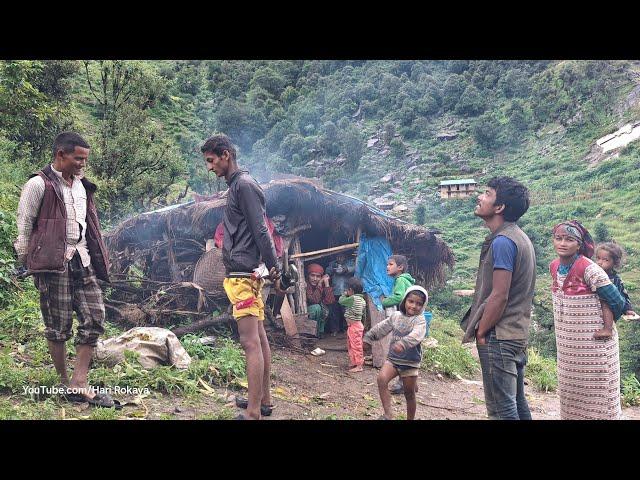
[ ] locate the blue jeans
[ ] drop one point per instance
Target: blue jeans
(502, 363)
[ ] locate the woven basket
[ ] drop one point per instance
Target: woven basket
(209, 271)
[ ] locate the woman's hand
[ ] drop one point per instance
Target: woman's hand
(398, 347)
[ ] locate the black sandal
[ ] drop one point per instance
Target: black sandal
(104, 400)
(265, 410)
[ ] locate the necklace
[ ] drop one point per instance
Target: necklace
(564, 269)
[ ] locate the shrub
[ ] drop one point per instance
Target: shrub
(630, 391)
(541, 371)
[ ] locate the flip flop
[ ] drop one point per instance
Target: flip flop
(104, 400)
(265, 410)
(69, 396)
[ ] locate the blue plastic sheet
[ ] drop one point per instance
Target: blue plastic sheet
(371, 268)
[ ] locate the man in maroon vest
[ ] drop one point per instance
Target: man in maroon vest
(60, 243)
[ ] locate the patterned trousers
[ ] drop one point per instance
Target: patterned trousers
(75, 289)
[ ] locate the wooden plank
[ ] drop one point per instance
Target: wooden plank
(325, 250)
(380, 348)
(288, 319)
(304, 325)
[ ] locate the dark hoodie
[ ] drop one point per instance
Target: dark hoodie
(409, 331)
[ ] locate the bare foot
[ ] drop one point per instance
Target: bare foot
(356, 369)
(603, 333)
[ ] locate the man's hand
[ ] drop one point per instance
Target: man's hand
(398, 347)
(325, 280)
(481, 339)
(274, 274)
(20, 271)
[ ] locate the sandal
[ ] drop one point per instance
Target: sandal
(265, 410)
(104, 400)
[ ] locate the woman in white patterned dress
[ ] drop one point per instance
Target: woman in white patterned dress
(585, 304)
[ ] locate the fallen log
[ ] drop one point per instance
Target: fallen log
(202, 324)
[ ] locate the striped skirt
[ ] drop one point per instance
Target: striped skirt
(588, 369)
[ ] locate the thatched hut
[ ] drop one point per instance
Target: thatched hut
(164, 246)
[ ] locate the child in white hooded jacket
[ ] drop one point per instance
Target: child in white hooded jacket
(408, 328)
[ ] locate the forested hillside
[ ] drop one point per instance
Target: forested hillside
(380, 130)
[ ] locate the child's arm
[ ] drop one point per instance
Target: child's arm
(416, 335)
(607, 317)
(627, 309)
(381, 330)
(346, 301)
(399, 287)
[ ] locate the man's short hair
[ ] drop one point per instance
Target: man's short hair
(219, 143)
(513, 195)
(67, 142)
(401, 261)
(355, 284)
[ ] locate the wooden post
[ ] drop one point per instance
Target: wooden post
(380, 348)
(358, 242)
(301, 285)
(171, 259)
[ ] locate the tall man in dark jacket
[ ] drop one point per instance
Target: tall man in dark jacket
(246, 242)
(60, 243)
(500, 315)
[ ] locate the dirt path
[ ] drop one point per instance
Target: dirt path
(308, 387)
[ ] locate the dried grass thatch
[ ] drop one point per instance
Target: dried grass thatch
(143, 240)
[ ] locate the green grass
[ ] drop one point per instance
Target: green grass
(450, 357)
(541, 371)
(28, 410)
(630, 391)
(104, 414)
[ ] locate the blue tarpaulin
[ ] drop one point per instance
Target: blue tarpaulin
(371, 268)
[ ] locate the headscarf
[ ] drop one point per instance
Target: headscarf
(315, 268)
(575, 230)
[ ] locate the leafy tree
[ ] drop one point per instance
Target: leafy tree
(486, 131)
(135, 163)
(453, 89)
(421, 214)
(34, 102)
(397, 148)
(389, 131)
(427, 105)
(471, 102)
(352, 146)
(601, 233)
(268, 79)
(329, 141)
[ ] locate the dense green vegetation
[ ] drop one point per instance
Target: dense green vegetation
(534, 120)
